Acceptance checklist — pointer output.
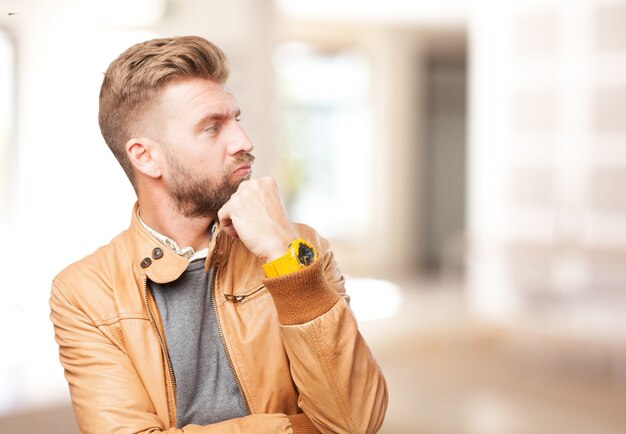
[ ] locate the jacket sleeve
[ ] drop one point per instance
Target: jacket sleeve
(342, 389)
(107, 393)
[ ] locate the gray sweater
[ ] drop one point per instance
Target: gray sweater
(206, 391)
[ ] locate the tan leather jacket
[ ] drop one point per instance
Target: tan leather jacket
(293, 343)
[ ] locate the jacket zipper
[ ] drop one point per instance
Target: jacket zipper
(219, 327)
(163, 346)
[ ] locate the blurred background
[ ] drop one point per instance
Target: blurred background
(466, 159)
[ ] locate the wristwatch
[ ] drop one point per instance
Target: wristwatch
(300, 254)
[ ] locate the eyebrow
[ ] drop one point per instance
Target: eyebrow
(218, 116)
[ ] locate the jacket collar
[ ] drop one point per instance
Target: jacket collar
(157, 261)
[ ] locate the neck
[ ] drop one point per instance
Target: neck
(163, 216)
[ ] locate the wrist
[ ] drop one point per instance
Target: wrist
(277, 251)
(303, 296)
(279, 246)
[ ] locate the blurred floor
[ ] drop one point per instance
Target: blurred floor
(52, 420)
(450, 375)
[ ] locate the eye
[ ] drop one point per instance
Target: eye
(212, 129)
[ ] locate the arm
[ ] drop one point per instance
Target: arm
(107, 393)
(341, 386)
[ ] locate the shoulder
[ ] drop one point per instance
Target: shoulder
(94, 270)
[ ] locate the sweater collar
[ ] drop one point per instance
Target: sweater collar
(188, 251)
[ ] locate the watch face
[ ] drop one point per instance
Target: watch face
(306, 255)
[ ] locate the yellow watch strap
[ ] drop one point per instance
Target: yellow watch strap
(288, 263)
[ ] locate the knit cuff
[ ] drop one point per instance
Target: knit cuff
(302, 296)
(301, 424)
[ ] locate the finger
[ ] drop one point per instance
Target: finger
(223, 216)
(230, 230)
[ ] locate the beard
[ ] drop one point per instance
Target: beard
(203, 196)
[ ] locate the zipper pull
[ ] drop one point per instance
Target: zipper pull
(234, 298)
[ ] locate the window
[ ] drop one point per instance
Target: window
(324, 146)
(7, 121)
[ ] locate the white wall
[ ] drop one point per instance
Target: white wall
(547, 161)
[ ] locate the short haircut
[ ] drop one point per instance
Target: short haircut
(133, 83)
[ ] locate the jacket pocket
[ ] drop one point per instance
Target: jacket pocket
(249, 295)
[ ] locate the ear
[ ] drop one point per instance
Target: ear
(145, 156)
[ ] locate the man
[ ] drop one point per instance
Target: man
(212, 313)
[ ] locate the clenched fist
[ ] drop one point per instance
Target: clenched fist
(257, 216)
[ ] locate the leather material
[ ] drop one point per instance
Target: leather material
(112, 345)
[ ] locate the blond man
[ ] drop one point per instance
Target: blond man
(212, 312)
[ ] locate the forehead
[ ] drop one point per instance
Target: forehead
(193, 98)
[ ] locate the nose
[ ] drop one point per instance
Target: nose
(239, 141)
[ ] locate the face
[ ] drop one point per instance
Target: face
(207, 151)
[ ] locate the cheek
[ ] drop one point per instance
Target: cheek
(206, 163)
(211, 160)
(209, 168)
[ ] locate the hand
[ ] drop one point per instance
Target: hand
(257, 216)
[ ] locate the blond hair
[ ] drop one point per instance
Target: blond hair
(133, 83)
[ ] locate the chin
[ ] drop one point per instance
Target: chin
(238, 179)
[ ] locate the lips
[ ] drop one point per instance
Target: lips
(243, 170)
(243, 164)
